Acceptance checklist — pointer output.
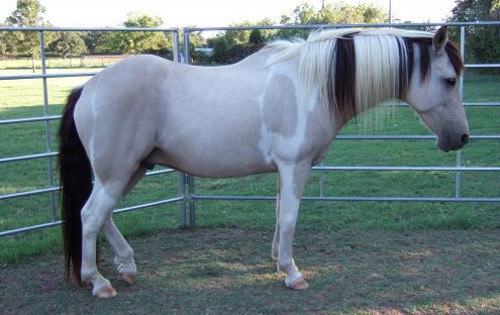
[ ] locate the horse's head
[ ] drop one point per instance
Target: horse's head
(434, 91)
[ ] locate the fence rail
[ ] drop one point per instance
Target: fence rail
(187, 197)
(49, 155)
(458, 168)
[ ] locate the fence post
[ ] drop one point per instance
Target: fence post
(187, 220)
(182, 203)
(176, 46)
(48, 139)
(190, 178)
(461, 89)
(191, 201)
(186, 45)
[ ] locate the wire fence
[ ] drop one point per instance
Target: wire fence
(187, 197)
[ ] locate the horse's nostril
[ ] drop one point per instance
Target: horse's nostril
(465, 138)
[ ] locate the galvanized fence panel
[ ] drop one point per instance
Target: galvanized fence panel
(49, 155)
(458, 169)
(187, 199)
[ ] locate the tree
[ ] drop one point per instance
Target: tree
(7, 45)
(234, 45)
(103, 42)
(256, 37)
(335, 13)
(483, 45)
(221, 47)
(139, 42)
(68, 43)
(27, 13)
(475, 10)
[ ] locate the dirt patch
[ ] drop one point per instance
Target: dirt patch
(220, 271)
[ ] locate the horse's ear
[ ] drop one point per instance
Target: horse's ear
(440, 39)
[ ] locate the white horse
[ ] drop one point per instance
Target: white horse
(276, 111)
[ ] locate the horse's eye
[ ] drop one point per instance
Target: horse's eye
(450, 81)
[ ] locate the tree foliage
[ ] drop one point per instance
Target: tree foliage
(483, 42)
(68, 43)
(137, 42)
(234, 45)
(7, 45)
(30, 13)
(27, 13)
(133, 42)
(335, 13)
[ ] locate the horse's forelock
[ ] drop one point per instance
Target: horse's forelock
(455, 57)
(424, 45)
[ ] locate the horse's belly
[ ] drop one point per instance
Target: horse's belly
(213, 160)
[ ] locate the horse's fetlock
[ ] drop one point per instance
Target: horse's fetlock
(87, 274)
(287, 266)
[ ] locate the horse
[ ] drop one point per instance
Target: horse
(277, 110)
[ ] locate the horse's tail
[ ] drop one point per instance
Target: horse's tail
(76, 181)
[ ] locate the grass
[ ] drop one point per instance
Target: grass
(61, 63)
(28, 138)
(421, 257)
(222, 271)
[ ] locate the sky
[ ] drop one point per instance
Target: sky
(210, 13)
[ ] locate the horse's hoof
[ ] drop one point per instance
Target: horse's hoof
(106, 293)
(128, 277)
(298, 285)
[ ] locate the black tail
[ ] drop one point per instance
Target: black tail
(76, 181)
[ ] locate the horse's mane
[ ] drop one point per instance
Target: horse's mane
(358, 69)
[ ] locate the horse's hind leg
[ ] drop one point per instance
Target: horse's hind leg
(124, 255)
(95, 212)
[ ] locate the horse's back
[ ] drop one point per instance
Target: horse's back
(203, 120)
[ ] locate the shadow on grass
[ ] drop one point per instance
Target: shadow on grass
(222, 271)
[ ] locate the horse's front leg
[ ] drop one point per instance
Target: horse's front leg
(277, 230)
(292, 182)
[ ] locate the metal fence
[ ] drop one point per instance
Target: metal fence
(458, 169)
(52, 188)
(187, 197)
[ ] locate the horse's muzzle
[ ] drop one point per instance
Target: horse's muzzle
(452, 143)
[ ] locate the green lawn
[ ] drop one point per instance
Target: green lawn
(229, 270)
(359, 257)
(23, 98)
